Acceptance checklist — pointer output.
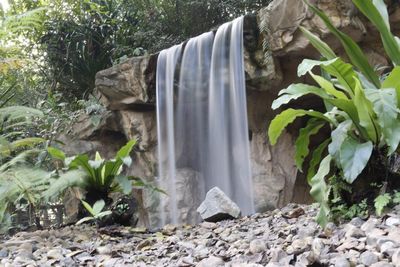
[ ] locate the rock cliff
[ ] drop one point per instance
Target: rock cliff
(274, 47)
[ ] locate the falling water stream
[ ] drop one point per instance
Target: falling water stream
(202, 119)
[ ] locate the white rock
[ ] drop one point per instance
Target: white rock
(218, 206)
(257, 246)
(211, 262)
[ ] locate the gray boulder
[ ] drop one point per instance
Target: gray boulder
(217, 206)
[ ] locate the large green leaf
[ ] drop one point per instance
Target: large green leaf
(124, 152)
(320, 45)
(56, 153)
(376, 12)
(338, 135)
(320, 190)
(316, 159)
(124, 183)
(313, 126)
(88, 207)
(83, 162)
(328, 87)
(308, 64)
(98, 207)
(365, 113)
(286, 117)
(294, 91)
(385, 106)
(342, 71)
(353, 51)
(393, 81)
(354, 156)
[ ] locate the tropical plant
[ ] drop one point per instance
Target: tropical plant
(97, 177)
(96, 211)
(361, 109)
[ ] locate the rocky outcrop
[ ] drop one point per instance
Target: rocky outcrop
(274, 47)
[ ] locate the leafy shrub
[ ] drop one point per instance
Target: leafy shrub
(96, 211)
(361, 109)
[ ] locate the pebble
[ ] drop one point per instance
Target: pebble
(368, 258)
(257, 246)
(274, 239)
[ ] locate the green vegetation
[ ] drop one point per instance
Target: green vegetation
(96, 211)
(361, 111)
(50, 52)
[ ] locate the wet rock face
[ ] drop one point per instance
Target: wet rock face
(274, 46)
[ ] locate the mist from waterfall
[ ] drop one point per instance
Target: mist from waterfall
(202, 123)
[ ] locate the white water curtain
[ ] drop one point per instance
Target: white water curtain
(202, 122)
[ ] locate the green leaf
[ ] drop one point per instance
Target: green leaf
(294, 91)
(321, 46)
(124, 183)
(376, 12)
(345, 74)
(103, 214)
(56, 153)
(320, 190)
(88, 207)
(354, 156)
(316, 159)
(83, 162)
(385, 106)
(338, 136)
(393, 81)
(313, 126)
(285, 118)
(126, 149)
(365, 112)
(308, 64)
(328, 87)
(381, 202)
(353, 51)
(98, 207)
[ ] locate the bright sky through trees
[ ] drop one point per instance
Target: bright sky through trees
(4, 4)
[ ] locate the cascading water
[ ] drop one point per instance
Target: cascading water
(202, 120)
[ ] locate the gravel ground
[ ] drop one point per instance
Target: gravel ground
(285, 237)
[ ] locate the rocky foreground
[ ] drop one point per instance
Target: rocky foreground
(286, 237)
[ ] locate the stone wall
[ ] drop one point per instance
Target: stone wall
(274, 47)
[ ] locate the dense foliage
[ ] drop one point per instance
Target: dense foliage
(362, 112)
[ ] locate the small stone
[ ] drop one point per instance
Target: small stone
(329, 229)
(299, 246)
(168, 229)
(353, 231)
(370, 224)
(368, 258)
(357, 222)
(257, 246)
(104, 250)
(341, 262)
(392, 221)
(317, 246)
(396, 257)
(211, 262)
(385, 247)
(382, 264)
(55, 253)
(3, 253)
(209, 225)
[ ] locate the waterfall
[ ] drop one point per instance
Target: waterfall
(202, 123)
